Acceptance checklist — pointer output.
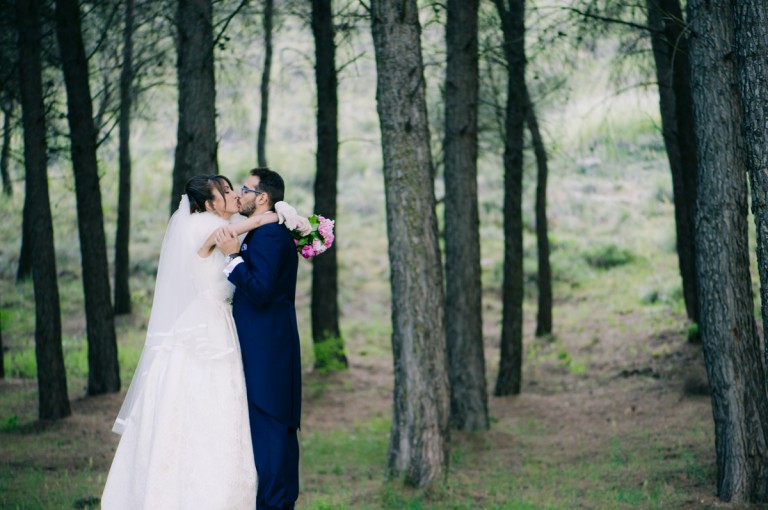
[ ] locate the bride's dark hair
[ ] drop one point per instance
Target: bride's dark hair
(199, 190)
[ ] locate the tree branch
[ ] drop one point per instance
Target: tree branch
(228, 20)
(606, 19)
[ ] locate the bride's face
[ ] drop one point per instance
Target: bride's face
(224, 205)
(231, 205)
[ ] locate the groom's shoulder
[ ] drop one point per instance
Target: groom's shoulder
(275, 230)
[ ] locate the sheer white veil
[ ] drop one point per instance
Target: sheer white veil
(174, 291)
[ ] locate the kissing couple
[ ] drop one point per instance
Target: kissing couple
(210, 419)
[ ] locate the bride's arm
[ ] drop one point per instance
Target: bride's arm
(237, 229)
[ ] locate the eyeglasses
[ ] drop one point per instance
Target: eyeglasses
(249, 190)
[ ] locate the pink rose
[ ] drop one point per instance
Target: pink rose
(318, 246)
(307, 252)
(325, 228)
(328, 241)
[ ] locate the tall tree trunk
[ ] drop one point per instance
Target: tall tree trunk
(51, 375)
(544, 315)
(752, 45)
(261, 145)
(670, 52)
(510, 365)
(103, 375)
(418, 447)
(463, 300)
(24, 271)
(729, 334)
(5, 153)
(123, 235)
(196, 134)
(326, 335)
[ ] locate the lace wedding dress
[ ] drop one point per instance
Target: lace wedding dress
(186, 441)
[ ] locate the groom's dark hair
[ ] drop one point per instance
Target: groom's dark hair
(271, 183)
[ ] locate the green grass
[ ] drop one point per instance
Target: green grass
(613, 476)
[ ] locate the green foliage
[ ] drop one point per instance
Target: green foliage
(608, 256)
(21, 363)
(692, 330)
(329, 355)
(11, 424)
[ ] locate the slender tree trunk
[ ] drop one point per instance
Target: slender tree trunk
(326, 335)
(103, 375)
(463, 300)
(6, 150)
(418, 447)
(670, 52)
(196, 135)
(510, 365)
(544, 316)
(752, 44)
(123, 235)
(729, 334)
(261, 146)
(51, 375)
(24, 271)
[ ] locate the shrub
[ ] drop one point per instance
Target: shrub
(608, 256)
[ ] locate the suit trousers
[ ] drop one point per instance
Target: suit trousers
(276, 452)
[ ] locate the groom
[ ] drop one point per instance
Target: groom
(263, 270)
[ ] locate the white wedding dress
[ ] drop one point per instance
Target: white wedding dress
(186, 440)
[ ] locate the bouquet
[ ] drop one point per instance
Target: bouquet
(319, 238)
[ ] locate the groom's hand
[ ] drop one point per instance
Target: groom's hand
(227, 241)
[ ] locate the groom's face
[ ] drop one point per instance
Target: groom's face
(250, 202)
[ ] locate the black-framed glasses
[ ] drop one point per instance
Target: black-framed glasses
(249, 190)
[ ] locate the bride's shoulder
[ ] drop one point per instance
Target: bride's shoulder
(208, 218)
(204, 223)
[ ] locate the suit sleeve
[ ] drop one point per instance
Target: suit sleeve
(257, 276)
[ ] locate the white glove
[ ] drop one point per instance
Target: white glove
(287, 215)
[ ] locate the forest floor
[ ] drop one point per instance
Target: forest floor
(631, 428)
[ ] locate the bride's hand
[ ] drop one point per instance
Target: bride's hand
(228, 230)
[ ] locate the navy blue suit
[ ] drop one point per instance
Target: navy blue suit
(265, 317)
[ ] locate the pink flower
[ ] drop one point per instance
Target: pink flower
(296, 242)
(307, 252)
(328, 240)
(318, 246)
(325, 228)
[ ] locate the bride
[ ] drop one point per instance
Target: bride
(186, 442)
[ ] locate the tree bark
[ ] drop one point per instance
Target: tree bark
(544, 315)
(103, 375)
(6, 151)
(463, 300)
(326, 335)
(24, 270)
(196, 135)
(261, 145)
(670, 52)
(51, 375)
(510, 364)
(752, 44)
(123, 234)
(418, 447)
(728, 329)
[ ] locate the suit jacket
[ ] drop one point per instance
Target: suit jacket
(265, 317)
